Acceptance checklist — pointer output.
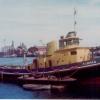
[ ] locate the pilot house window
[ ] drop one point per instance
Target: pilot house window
(73, 52)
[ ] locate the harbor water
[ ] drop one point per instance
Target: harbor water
(14, 91)
(15, 61)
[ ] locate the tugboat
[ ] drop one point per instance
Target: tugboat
(70, 60)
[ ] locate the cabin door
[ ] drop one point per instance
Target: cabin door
(35, 63)
(50, 63)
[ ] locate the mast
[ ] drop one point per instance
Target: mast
(75, 22)
(12, 47)
(25, 59)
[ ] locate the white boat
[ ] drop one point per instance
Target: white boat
(36, 87)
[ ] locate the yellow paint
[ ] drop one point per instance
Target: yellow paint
(51, 47)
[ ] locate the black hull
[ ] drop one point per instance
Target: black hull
(84, 74)
(12, 74)
(87, 77)
(11, 77)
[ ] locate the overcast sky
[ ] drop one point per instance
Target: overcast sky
(29, 21)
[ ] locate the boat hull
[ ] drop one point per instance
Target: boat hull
(11, 74)
(82, 73)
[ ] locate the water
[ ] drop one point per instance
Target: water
(15, 61)
(11, 91)
(14, 91)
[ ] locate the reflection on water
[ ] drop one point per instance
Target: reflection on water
(12, 91)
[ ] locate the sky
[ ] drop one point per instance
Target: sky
(30, 21)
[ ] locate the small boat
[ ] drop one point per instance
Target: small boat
(36, 87)
(39, 87)
(45, 80)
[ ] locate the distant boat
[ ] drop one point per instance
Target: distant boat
(10, 56)
(13, 55)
